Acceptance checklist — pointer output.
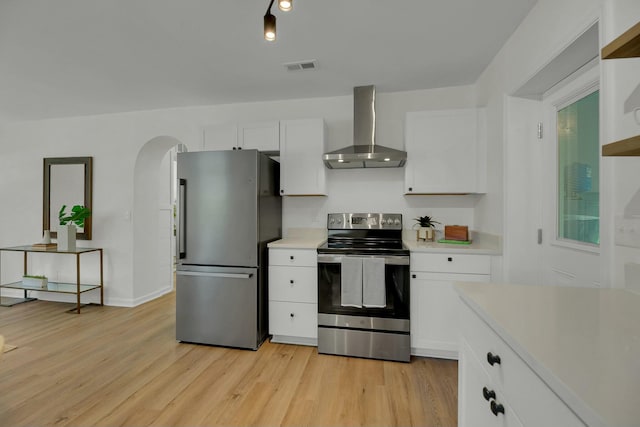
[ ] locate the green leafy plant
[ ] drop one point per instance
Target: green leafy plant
(77, 216)
(426, 221)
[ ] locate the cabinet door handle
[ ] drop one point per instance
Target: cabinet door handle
(281, 191)
(488, 394)
(292, 315)
(291, 257)
(410, 188)
(414, 276)
(493, 359)
(496, 408)
(291, 281)
(450, 259)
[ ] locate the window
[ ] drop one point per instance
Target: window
(578, 202)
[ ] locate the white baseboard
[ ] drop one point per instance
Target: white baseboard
(434, 352)
(284, 339)
(152, 296)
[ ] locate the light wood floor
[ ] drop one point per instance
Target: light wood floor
(112, 366)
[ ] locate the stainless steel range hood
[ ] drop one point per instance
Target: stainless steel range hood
(364, 153)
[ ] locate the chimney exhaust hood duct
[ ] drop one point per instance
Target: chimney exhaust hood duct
(364, 153)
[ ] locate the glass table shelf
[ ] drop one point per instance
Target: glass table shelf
(59, 287)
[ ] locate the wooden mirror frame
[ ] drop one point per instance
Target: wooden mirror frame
(87, 162)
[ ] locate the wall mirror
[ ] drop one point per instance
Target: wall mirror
(67, 181)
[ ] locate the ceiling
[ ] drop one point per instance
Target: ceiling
(80, 57)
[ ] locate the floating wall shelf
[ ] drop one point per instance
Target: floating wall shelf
(625, 46)
(625, 147)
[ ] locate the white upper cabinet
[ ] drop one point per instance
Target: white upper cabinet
(261, 136)
(302, 144)
(446, 152)
(220, 137)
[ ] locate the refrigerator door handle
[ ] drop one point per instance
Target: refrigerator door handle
(228, 275)
(182, 220)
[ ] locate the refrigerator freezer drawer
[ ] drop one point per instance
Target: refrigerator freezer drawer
(218, 307)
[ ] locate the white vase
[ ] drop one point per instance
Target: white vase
(67, 238)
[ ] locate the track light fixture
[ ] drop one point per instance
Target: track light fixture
(270, 19)
(285, 5)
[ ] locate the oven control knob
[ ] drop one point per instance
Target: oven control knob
(331, 221)
(339, 221)
(383, 221)
(397, 221)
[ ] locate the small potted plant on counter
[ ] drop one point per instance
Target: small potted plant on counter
(426, 225)
(68, 223)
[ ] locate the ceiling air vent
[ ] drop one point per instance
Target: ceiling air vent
(302, 65)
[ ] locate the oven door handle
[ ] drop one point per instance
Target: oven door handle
(388, 259)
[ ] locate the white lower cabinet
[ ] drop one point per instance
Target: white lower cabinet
(483, 405)
(293, 320)
(434, 303)
(293, 296)
(489, 370)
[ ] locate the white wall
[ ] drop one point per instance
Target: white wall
(550, 26)
(115, 143)
(621, 78)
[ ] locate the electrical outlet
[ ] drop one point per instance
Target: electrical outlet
(627, 232)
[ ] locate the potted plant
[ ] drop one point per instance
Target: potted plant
(68, 223)
(426, 224)
(37, 282)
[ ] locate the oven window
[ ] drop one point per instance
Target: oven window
(396, 288)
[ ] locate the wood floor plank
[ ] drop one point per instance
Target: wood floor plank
(115, 366)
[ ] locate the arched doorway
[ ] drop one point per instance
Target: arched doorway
(152, 222)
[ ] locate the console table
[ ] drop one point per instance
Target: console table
(76, 288)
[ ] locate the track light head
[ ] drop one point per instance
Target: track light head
(285, 5)
(269, 27)
(269, 24)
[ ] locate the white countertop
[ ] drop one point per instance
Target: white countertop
(311, 238)
(301, 238)
(481, 244)
(584, 343)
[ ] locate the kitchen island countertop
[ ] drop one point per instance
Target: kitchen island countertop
(584, 343)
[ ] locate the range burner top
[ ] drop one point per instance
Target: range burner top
(364, 233)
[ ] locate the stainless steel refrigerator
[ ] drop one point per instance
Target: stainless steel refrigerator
(229, 208)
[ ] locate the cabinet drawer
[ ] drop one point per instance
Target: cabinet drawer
(474, 409)
(293, 257)
(535, 403)
(293, 319)
(451, 263)
(293, 284)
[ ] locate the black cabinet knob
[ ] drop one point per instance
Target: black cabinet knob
(450, 259)
(292, 315)
(496, 408)
(291, 257)
(281, 191)
(488, 394)
(413, 276)
(493, 359)
(410, 188)
(291, 281)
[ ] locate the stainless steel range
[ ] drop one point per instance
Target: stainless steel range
(363, 288)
